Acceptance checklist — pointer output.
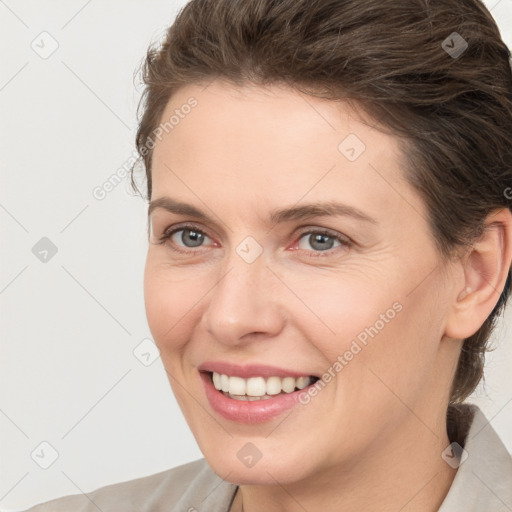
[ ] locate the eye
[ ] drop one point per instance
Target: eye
(316, 242)
(188, 237)
(321, 241)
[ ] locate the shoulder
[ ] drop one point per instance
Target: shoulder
(180, 488)
(483, 480)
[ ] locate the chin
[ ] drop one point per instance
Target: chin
(230, 465)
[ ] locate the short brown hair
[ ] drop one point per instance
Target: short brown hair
(451, 109)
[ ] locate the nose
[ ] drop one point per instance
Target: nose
(245, 304)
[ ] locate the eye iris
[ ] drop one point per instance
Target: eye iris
(193, 239)
(321, 238)
(319, 241)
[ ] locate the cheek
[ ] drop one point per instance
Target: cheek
(399, 345)
(342, 309)
(367, 326)
(169, 302)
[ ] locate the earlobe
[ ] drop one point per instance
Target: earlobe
(486, 267)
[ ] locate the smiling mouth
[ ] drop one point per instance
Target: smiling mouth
(258, 388)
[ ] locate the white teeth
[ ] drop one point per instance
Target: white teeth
(288, 384)
(224, 383)
(273, 386)
(255, 388)
(216, 381)
(245, 398)
(236, 386)
(302, 382)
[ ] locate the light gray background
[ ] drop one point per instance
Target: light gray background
(70, 325)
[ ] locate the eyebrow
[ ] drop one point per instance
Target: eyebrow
(305, 211)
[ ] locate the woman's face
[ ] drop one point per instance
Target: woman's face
(263, 284)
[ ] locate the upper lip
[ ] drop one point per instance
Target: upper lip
(249, 370)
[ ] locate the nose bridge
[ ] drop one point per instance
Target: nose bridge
(242, 301)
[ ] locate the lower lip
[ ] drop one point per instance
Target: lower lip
(244, 411)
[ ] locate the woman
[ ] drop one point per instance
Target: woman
(330, 245)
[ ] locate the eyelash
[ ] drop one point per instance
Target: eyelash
(344, 242)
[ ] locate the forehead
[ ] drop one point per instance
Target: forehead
(275, 143)
(269, 117)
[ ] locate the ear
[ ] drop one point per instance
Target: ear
(485, 268)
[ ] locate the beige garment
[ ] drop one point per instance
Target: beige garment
(483, 482)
